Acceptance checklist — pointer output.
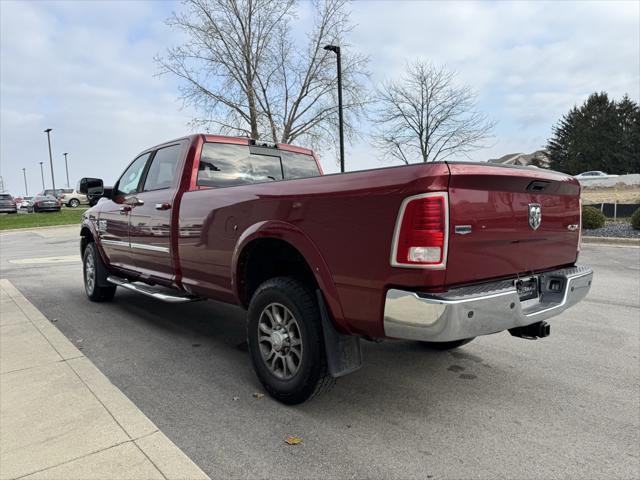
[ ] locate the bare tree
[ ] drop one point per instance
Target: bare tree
(425, 116)
(245, 73)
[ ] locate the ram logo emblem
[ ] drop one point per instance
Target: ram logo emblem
(535, 215)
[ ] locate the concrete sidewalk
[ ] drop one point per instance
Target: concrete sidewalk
(61, 418)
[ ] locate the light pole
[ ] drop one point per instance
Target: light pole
(53, 182)
(66, 167)
(42, 175)
(26, 191)
(336, 50)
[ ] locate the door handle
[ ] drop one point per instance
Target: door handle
(133, 202)
(163, 206)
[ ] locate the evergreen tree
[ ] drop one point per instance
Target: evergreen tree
(629, 119)
(599, 135)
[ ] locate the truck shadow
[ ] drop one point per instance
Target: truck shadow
(209, 338)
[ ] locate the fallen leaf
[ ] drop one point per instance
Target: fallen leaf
(291, 440)
(258, 395)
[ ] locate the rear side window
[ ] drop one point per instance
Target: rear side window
(298, 165)
(223, 165)
(163, 168)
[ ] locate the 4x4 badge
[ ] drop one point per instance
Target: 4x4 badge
(535, 215)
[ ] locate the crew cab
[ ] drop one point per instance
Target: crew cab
(438, 253)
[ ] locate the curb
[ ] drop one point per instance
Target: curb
(612, 240)
(113, 443)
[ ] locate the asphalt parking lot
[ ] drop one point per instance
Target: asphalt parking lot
(566, 406)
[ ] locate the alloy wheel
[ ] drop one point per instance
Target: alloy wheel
(280, 341)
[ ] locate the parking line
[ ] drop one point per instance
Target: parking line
(60, 259)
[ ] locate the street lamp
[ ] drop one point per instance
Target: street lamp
(53, 182)
(26, 191)
(336, 50)
(66, 167)
(42, 175)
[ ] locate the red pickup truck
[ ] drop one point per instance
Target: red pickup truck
(438, 253)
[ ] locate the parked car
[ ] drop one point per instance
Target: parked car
(72, 198)
(594, 174)
(26, 204)
(7, 204)
(46, 203)
(438, 252)
(53, 193)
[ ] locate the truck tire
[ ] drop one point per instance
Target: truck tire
(95, 276)
(74, 203)
(447, 345)
(284, 333)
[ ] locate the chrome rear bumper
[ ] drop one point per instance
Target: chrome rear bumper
(480, 309)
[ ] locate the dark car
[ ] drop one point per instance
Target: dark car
(7, 204)
(46, 203)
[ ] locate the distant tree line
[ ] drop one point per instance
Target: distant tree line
(601, 134)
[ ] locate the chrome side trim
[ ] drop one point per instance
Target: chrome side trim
(480, 310)
(396, 232)
(115, 243)
(153, 248)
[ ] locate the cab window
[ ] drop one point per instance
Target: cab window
(130, 179)
(223, 165)
(163, 168)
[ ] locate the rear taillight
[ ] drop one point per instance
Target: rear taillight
(422, 230)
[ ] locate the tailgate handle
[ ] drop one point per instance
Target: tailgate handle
(537, 186)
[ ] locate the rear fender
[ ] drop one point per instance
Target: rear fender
(299, 240)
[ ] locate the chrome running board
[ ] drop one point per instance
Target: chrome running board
(153, 292)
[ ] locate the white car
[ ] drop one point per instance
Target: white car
(72, 198)
(594, 174)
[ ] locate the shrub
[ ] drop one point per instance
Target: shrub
(592, 218)
(635, 219)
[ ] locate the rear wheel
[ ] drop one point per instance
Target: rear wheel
(286, 343)
(74, 202)
(95, 274)
(447, 345)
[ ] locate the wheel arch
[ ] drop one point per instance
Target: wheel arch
(88, 234)
(265, 243)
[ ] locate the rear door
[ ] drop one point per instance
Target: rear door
(506, 221)
(113, 221)
(150, 220)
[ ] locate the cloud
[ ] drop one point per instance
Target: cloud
(529, 61)
(85, 69)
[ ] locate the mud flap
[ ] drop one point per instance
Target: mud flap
(343, 351)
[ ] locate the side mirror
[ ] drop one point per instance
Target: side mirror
(91, 186)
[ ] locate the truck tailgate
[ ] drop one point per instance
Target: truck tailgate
(490, 235)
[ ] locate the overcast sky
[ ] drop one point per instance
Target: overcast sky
(85, 69)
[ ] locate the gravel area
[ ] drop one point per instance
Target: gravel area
(614, 229)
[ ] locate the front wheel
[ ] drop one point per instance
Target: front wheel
(286, 343)
(95, 276)
(447, 345)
